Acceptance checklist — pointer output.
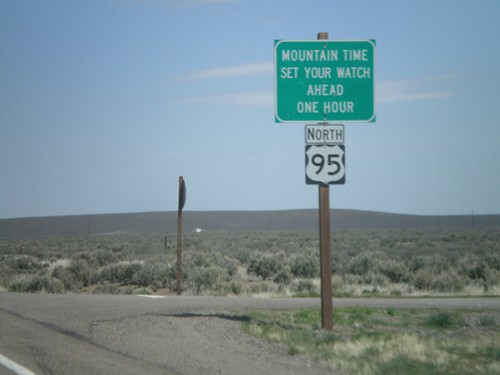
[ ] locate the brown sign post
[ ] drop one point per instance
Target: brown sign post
(324, 244)
(325, 267)
(311, 85)
(182, 201)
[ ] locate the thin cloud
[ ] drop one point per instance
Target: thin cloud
(411, 90)
(243, 98)
(254, 98)
(234, 71)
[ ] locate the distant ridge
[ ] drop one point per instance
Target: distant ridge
(166, 222)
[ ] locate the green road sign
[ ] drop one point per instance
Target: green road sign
(324, 81)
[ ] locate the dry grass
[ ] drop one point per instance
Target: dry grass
(369, 341)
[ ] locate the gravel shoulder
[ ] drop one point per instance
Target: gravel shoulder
(198, 344)
(77, 334)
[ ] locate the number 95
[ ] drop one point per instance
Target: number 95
(325, 164)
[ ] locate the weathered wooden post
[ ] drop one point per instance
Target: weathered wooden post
(182, 201)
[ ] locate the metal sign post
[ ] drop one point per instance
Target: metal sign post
(325, 263)
(182, 201)
(324, 244)
(324, 81)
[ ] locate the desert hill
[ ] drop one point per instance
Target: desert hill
(166, 222)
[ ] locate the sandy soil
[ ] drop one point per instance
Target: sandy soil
(203, 344)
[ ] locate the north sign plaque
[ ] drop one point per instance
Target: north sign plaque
(324, 134)
(324, 81)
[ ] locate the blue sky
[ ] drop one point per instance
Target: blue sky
(105, 103)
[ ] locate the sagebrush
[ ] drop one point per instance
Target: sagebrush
(386, 262)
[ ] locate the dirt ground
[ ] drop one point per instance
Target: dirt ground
(203, 344)
(106, 334)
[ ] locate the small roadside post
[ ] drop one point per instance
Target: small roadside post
(324, 81)
(182, 201)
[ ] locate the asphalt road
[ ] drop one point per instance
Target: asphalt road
(97, 334)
